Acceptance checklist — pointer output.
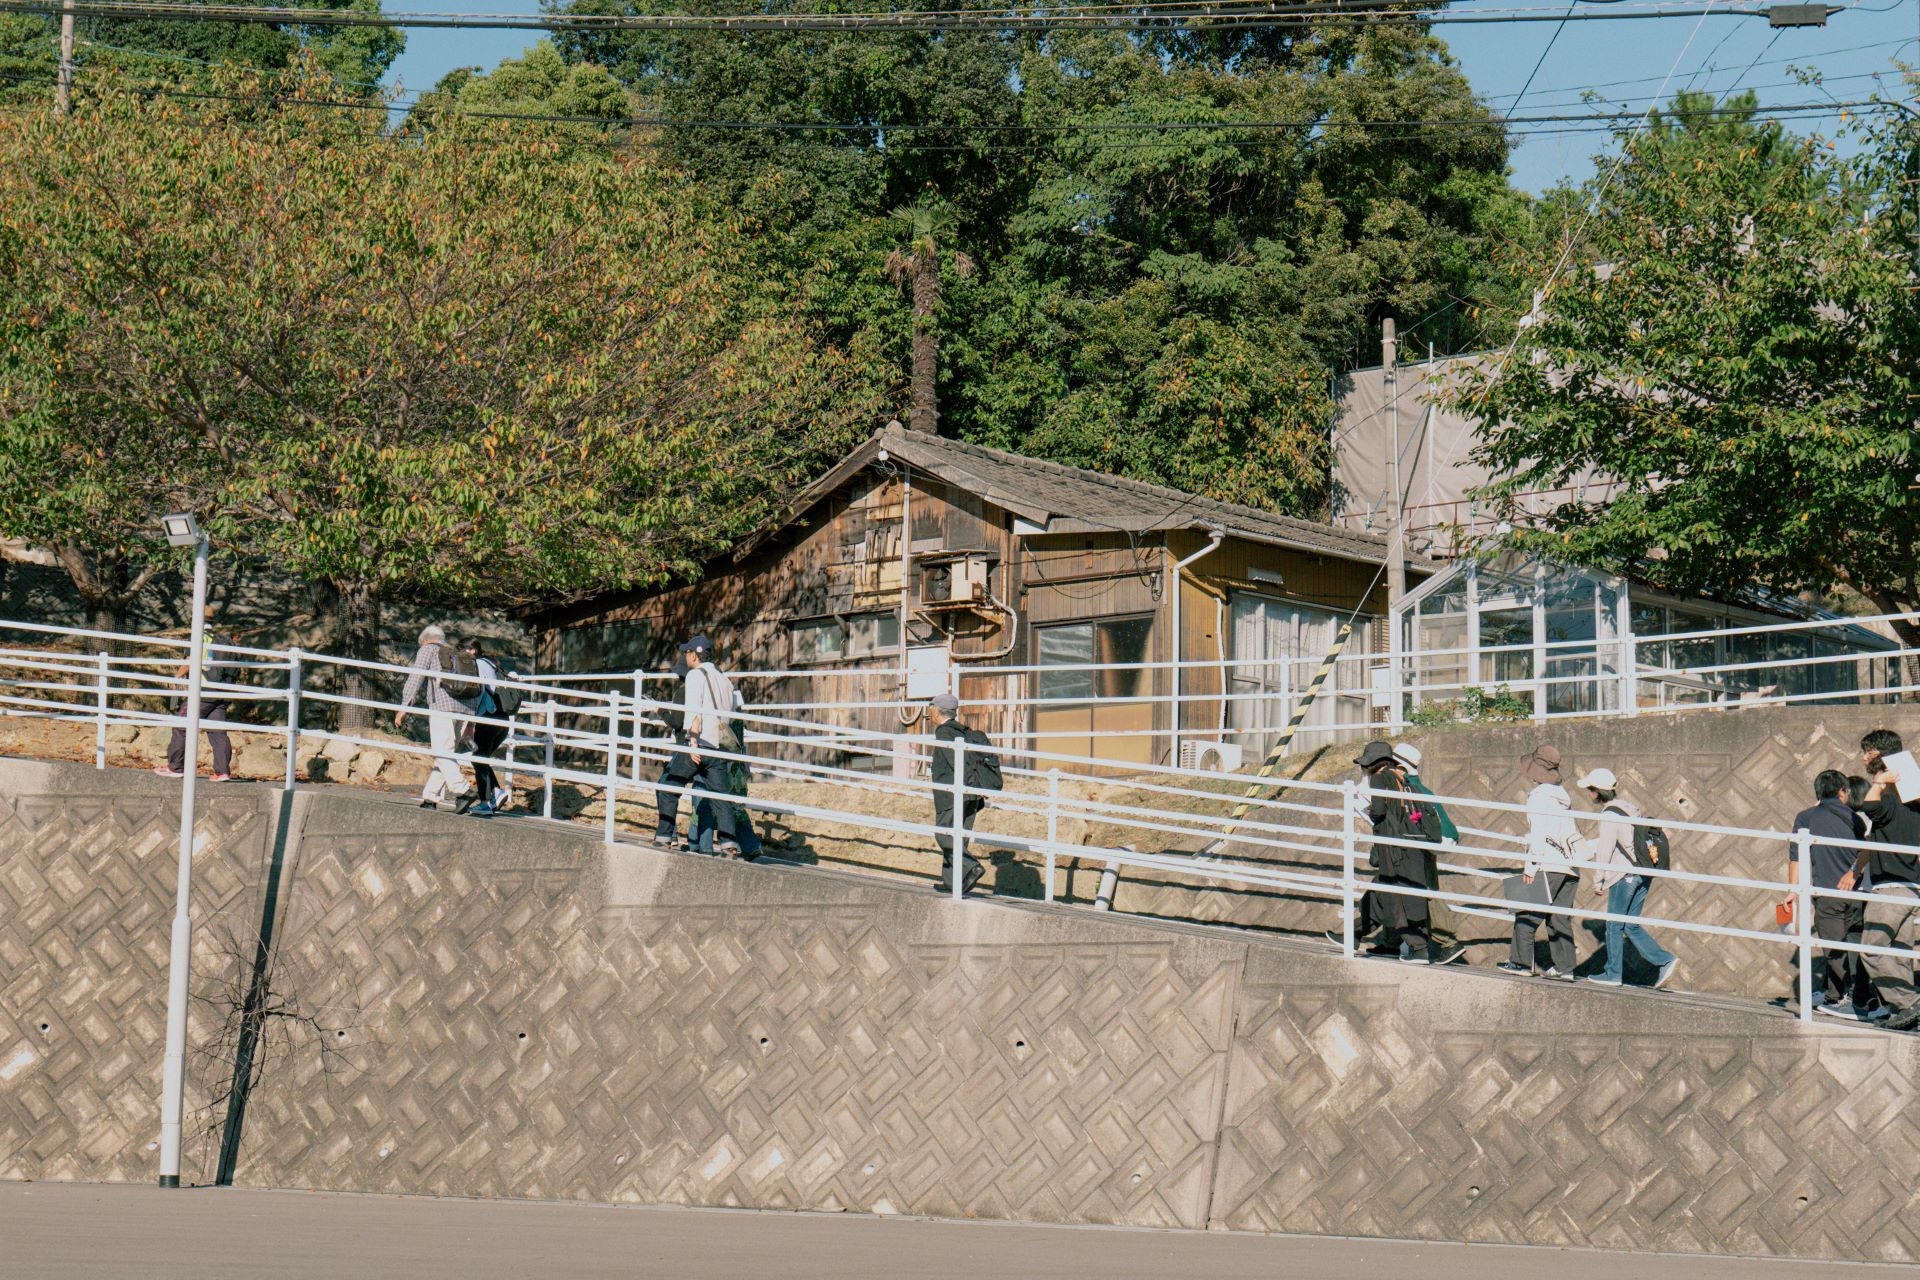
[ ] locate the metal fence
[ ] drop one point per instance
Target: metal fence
(611, 742)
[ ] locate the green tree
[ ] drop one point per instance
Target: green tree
(1732, 341)
(455, 368)
(536, 84)
(164, 51)
(1114, 235)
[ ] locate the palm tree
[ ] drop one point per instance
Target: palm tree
(918, 261)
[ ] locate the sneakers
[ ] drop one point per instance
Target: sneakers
(1451, 955)
(1844, 1010)
(466, 801)
(1666, 971)
(1508, 966)
(1554, 975)
(430, 804)
(481, 810)
(502, 799)
(1879, 1013)
(220, 777)
(1606, 980)
(166, 772)
(1409, 956)
(1906, 1020)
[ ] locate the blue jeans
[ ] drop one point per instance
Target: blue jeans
(1628, 897)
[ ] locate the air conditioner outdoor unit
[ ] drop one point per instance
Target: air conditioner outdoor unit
(1216, 757)
(960, 581)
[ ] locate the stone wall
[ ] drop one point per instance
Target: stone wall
(500, 1009)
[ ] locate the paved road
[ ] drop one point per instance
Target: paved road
(68, 1231)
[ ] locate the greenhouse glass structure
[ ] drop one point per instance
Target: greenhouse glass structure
(1565, 640)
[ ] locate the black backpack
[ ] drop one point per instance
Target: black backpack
(1650, 845)
(1651, 848)
(459, 673)
(507, 701)
(983, 766)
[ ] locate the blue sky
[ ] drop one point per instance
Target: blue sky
(1497, 58)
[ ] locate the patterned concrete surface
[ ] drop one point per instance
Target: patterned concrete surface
(504, 1010)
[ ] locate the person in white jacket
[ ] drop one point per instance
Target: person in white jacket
(1553, 845)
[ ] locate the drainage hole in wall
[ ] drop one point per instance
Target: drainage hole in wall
(1019, 1044)
(868, 1169)
(764, 1042)
(1802, 1202)
(1473, 1193)
(339, 1035)
(1136, 1179)
(620, 1160)
(523, 1037)
(45, 1027)
(385, 1152)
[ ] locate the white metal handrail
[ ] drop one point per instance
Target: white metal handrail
(112, 677)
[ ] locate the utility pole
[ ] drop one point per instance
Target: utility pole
(1396, 516)
(63, 84)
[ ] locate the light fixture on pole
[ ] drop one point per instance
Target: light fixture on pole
(183, 531)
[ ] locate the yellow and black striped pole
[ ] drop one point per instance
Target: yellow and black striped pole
(1274, 756)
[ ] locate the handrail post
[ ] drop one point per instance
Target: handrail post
(1630, 677)
(613, 761)
(1803, 920)
(294, 676)
(1349, 800)
(1053, 827)
(100, 712)
(638, 688)
(546, 804)
(957, 865)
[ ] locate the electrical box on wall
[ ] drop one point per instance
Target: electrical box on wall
(929, 671)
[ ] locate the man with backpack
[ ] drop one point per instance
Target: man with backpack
(1625, 850)
(451, 679)
(982, 776)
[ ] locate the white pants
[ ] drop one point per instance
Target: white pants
(443, 731)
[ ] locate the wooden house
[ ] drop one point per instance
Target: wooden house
(918, 562)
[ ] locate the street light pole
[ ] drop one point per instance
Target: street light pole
(173, 1084)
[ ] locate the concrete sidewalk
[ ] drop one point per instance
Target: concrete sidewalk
(67, 1231)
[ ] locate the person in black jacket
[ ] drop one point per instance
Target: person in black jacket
(1893, 874)
(948, 729)
(1406, 829)
(1834, 919)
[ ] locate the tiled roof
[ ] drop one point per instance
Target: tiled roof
(1073, 499)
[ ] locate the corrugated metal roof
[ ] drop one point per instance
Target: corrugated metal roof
(1067, 499)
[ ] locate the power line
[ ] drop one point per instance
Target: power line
(1214, 17)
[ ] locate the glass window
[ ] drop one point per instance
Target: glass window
(869, 633)
(1082, 644)
(606, 646)
(819, 640)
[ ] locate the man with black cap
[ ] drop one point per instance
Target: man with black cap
(948, 729)
(1553, 843)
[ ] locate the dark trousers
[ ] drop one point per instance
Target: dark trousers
(1559, 928)
(1839, 973)
(943, 819)
(216, 738)
(679, 772)
(486, 742)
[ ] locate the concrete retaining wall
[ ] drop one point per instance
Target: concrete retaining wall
(502, 1010)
